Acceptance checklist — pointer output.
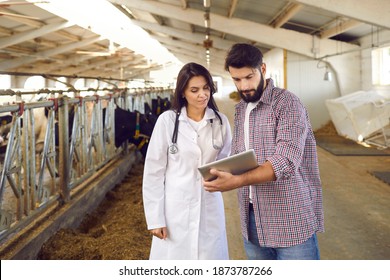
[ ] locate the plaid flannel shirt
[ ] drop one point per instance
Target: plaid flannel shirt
(289, 210)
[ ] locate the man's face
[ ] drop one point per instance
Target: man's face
(249, 82)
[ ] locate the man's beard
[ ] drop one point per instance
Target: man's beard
(257, 92)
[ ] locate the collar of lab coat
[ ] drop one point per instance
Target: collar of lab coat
(209, 114)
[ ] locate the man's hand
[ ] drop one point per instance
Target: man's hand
(225, 182)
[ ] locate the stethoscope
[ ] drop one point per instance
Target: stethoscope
(173, 149)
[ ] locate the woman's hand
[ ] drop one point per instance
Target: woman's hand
(160, 232)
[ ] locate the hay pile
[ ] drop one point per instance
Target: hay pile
(114, 231)
(327, 129)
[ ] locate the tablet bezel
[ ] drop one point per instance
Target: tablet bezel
(235, 164)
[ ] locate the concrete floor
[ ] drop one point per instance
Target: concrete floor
(356, 206)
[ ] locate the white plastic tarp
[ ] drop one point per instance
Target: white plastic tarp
(360, 114)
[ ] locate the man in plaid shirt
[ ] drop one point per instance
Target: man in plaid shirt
(281, 200)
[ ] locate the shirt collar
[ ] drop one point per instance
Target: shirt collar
(209, 114)
(267, 94)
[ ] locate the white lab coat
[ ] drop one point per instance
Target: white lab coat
(173, 192)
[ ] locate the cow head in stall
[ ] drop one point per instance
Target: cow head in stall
(40, 126)
(71, 113)
(160, 105)
(134, 127)
(5, 127)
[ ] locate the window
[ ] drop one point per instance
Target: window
(381, 66)
(60, 83)
(5, 81)
(34, 83)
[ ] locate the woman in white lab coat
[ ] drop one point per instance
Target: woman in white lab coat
(186, 221)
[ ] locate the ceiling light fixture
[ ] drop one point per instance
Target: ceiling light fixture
(328, 74)
(207, 43)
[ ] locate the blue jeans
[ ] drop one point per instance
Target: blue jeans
(307, 250)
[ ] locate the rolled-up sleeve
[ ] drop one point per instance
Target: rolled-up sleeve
(290, 140)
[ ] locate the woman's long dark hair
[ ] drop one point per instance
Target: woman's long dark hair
(185, 74)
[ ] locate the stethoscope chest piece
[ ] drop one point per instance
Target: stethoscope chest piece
(173, 149)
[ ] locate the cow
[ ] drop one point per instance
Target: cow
(5, 127)
(56, 124)
(134, 127)
(160, 105)
(40, 125)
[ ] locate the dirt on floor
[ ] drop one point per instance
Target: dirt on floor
(327, 129)
(116, 230)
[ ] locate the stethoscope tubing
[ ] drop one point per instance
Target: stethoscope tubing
(173, 149)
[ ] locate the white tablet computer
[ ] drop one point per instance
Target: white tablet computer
(236, 164)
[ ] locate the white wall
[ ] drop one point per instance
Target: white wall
(305, 78)
(228, 87)
(274, 60)
(347, 70)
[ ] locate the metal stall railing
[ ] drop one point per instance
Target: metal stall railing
(41, 172)
(36, 171)
(26, 159)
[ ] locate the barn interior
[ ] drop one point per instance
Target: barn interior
(95, 55)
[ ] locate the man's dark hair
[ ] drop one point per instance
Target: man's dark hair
(243, 55)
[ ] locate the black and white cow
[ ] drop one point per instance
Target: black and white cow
(5, 127)
(134, 127)
(160, 105)
(40, 126)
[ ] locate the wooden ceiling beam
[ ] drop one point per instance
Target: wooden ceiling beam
(232, 8)
(371, 12)
(340, 28)
(294, 41)
(288, 12)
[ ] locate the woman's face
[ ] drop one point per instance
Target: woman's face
(197, 93)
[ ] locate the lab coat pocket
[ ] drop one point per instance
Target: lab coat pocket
(215, 214)
(177, 219)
